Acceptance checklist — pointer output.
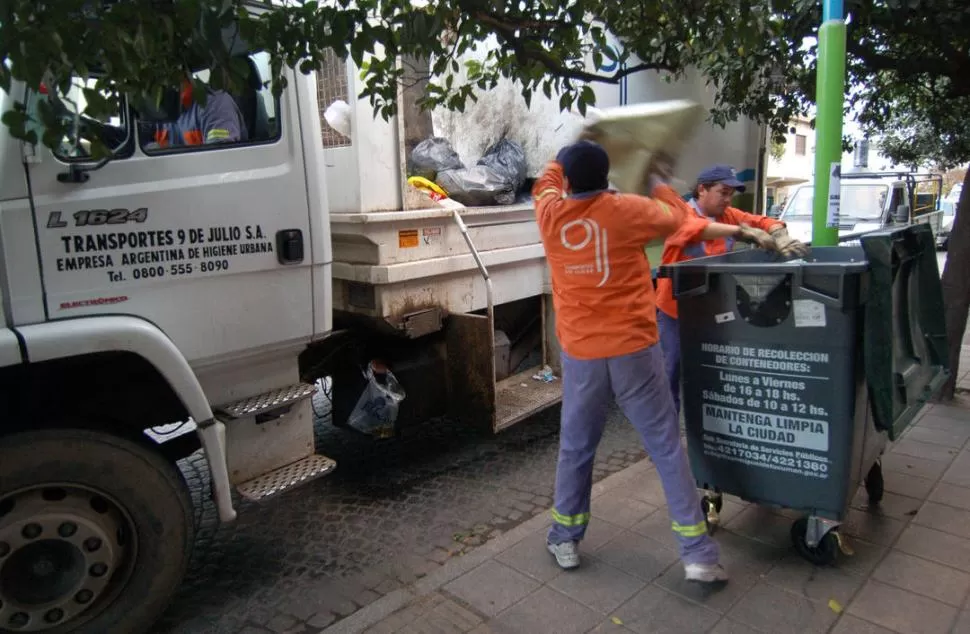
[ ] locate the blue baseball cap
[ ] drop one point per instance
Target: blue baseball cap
(723, 174)
(586, 165)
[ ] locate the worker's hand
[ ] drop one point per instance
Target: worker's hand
(757, 237)
(661, 166)
(789, 246)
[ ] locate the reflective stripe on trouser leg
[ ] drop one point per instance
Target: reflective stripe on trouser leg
(585, 397)
(643, 395)
(670, 344)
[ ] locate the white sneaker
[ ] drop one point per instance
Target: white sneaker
(566, 554)
(705, 573)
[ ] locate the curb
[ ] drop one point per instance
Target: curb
(390, 603)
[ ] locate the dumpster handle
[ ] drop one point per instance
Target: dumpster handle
(801, 291)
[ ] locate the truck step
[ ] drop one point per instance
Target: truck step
(519, 396)
(286, 477)
(268, 401)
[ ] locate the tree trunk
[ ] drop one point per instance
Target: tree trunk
(956, 287)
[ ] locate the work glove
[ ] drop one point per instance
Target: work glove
(789, 246)
(757, 237)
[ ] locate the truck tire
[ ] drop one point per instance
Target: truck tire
(95, 533)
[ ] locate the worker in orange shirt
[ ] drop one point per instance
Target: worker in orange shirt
(606, 323)
(711, 198)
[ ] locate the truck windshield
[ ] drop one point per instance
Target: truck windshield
(860, 202)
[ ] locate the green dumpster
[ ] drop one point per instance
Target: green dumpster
(797, 374)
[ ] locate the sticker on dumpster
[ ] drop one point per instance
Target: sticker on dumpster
(794, 432)
(808, 313)
(763, 407)
(723, 318)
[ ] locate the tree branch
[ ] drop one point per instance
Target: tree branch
(553, 65)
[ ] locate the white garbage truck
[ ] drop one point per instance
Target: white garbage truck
(208, 289)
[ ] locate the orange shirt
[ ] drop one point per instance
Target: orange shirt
(601, 284)
(685, 244)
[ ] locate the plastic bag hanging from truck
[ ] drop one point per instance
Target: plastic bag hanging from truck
(508, 159)
(377, 407)
(477, 186)
(432, 156)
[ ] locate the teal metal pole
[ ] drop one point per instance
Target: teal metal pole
(829, 100)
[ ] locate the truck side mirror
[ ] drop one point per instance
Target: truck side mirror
(901, 215)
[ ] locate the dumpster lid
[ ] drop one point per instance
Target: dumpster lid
(905, 356)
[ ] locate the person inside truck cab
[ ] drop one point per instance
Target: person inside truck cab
(606, 323)
(218, 121)
(711, 198)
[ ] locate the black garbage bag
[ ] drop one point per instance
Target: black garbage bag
(478, 186)
(508, 159)
(432, 156)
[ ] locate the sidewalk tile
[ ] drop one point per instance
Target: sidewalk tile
(546, 612)
(877, 529)
(599, 532)
(908, 485)
(902, 611)
(621, 511)
(849, 624)
(944, 518)
(774, 610)
(924, 577)
(942, 548)
(927, 451)
(762, 524)
(959, 471)
(892, 505)
(491, 587)
(955, 438)
(953, 413)
(737, 550)
(717, 598)
(963, 623)
(900, 463)
(634, 554)
(864, 557)
(727, 626)
(656, 611)
(813, 582)
(597, 585)
(656, 526)
(609, 626)
(530, 557)
(951, 495)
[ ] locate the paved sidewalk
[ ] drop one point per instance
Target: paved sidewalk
(910, 573)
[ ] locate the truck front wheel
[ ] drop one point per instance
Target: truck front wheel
(95, 533)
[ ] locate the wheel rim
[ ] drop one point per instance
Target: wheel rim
(64, 552)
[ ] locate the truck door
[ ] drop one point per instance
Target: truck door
(208, 241)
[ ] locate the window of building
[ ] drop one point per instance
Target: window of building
(800, 144)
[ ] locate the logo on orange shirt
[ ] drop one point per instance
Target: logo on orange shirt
(591, 234)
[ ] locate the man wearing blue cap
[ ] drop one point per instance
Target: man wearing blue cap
(606, 323)
(711, 198)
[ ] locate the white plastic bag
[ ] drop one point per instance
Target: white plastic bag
(337, 116)
(377, 407)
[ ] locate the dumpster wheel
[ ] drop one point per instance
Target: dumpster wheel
(823, 554)
(874, 483)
